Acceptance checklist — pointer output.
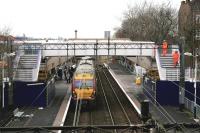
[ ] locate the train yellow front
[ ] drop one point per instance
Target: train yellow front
(84, 81)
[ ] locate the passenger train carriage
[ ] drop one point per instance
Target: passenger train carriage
(84, 81)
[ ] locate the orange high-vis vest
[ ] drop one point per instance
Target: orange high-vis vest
(164, 46)
(176, 57)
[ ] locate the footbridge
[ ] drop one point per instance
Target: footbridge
(30, 54)
(88, 47)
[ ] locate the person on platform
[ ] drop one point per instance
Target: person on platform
(175, 58)
(68, 77)
(164, 48)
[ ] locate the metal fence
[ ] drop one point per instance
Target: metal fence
(190, 106)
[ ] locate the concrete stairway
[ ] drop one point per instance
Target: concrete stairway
(42, 72)
(28, 62)
(25, 68)
(172, 73)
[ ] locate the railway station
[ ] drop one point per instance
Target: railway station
(115, 85)
(59, 75)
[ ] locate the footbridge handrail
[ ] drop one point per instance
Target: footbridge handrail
(161, 71)
(37, 69)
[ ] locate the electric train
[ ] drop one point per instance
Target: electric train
(84, 81)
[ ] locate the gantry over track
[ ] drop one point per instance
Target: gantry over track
(83, 47)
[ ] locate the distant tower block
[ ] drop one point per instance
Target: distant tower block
(106, 34)
(75, 34)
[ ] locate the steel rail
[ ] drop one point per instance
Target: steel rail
(91, 119)
(106, 100)
(77, 113)
(77, 110)
(126, 115)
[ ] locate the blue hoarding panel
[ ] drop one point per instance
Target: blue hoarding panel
(198, 93)
(189, 90)
(29, 94)
(167, 93)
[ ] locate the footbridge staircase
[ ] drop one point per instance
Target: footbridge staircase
(27, 64)
(165, 65)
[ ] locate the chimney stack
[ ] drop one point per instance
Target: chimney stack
(182, 2)
(75, 34)
(187, 1)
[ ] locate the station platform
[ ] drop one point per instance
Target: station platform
(162, 114)
(51, 115)
(5, 114)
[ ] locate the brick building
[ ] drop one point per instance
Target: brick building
(189, 23)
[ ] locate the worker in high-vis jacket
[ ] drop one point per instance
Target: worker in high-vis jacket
(175, 56)
(138, 80)
(164, 48)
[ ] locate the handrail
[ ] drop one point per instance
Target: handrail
(37, 69)
(19, 53)
(161, 71)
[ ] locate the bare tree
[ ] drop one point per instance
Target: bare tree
(5, 31)
(148, 22)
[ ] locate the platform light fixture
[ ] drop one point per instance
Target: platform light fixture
(195, 81)
(4, 55)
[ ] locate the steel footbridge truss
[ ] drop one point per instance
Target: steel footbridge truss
(91, 47)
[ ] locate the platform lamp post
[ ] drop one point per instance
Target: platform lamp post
(181, 43)
(4, 55)
(195, 81)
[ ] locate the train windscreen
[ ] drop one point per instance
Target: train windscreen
(83, 84)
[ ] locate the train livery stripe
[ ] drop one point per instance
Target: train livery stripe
(134, 105)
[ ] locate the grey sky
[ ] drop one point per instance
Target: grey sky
(53, 18)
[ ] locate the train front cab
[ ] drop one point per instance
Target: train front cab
(84, 89)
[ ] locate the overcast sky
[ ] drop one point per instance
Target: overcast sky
(53, 18)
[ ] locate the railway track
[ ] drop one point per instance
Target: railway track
(128, 109)
(111, 107)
